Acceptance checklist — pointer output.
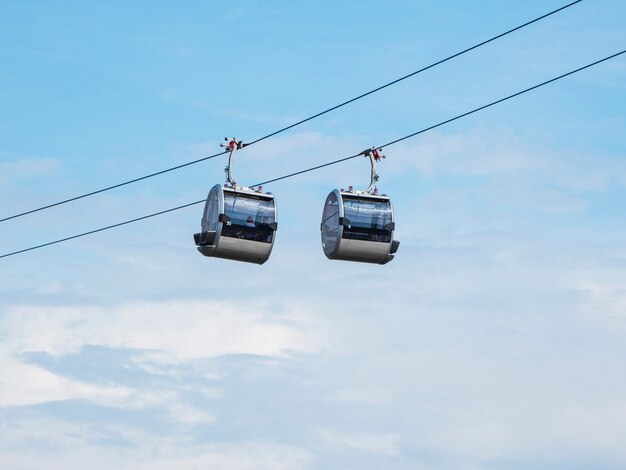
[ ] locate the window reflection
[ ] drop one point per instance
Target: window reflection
(250, 217)
(368, 219)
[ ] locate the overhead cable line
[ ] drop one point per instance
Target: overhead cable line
(334, 162)
(333, 108)
(108, 188)
(442, 123)
(416, 72)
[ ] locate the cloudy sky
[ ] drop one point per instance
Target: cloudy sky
(495, 339)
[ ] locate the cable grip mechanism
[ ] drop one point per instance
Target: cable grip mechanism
(232, 145)
(374, 155)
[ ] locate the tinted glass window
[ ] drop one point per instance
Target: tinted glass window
(368, 219)
(250, 217)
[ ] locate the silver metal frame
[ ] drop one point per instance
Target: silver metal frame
(233, 248)
(374, 155)
(233, 145)
(359, 250)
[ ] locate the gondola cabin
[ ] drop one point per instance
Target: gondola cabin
(358, 226)
(238, 223)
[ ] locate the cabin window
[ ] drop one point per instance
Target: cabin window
(250, 217)
(368, 219)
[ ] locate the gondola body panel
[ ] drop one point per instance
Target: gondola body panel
(238, 224)
(358, 227)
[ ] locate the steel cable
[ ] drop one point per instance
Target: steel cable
(334, 162)
(177, 167)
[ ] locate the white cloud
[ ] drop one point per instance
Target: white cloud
(505, 156)
(26, 384)
(519, 427)
(74, 448)
(166, 333)
(607, 300)
(188, 415)
(182, 330)
(27, 168)
(383, 444)
(371, 396)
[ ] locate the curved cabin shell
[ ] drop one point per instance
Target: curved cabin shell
(239, 224)
(358, 226)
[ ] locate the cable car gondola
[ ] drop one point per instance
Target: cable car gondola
(359, 225)
(238, 223)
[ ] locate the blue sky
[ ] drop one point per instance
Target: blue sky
(495, 339)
